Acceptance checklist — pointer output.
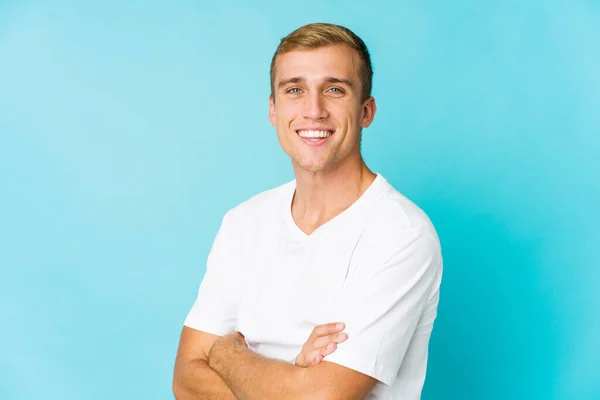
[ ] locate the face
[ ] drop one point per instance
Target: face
(317, 107)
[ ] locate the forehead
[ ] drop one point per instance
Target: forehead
(340, 61)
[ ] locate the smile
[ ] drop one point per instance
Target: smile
(314, 137)
(314, 133)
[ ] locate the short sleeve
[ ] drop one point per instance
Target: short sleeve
(382, 302)
(215, 308)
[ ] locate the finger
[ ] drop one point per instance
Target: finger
(330, 348)
(323, 352)
(333, 338)
(308, 356)
(327, 329)
(317, 360)
(308, 359)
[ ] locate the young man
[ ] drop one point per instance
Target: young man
(337, 244)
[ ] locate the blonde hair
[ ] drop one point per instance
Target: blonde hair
(317, 35)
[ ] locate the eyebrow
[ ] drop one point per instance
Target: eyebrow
(329, 79)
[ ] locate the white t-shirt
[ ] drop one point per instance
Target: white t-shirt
(377, 267)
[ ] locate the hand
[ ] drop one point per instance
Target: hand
(237, 337)
(233, 342)
(322, 341)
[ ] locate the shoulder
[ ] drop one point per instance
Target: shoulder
(244, 224)
(397, 214)
(397, 229)
(258, 207)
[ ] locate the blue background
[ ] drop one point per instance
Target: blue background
(127, 131)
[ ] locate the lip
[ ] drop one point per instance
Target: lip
(315, 144)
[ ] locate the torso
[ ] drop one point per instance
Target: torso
(292, 278)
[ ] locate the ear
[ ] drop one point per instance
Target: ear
(369, 109)
(272, 114)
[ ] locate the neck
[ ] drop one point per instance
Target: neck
(322, 195)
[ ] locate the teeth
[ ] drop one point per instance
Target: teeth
(314, 134)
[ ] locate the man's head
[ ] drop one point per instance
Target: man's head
(321, 78)
(314, 36)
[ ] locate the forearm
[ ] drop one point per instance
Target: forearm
(195, 380)
(252, 376)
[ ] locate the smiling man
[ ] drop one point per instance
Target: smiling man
(336, 244)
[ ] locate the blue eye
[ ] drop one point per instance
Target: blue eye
(294, 90)
(336, 90)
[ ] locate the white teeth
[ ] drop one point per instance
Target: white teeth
(314, 134)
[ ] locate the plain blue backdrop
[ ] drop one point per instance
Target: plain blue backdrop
(127, 130)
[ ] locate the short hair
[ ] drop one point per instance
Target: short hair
(313, 36)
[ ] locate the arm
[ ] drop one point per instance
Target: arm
(383, 301)
(382, 305)
(252, 376)
(212, 316)
(193, 378)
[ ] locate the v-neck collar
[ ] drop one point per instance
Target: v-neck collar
(367, 196)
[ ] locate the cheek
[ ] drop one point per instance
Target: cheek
(343, 112)
(286, 113)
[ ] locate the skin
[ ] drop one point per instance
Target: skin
(322, 341)
(213, 367)
(250, 375)
(319, 89)
(331, 177)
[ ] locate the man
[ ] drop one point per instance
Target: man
(337, 244)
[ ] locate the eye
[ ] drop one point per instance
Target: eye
(336, 90)
(293, 90)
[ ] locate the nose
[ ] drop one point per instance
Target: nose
(314, 107)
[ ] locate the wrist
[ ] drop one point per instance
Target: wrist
(226, 349)
(214, 355)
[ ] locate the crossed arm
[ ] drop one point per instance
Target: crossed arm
(396, 281)
(213, 367)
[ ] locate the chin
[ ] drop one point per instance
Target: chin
(313, 169)
(313, 166)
